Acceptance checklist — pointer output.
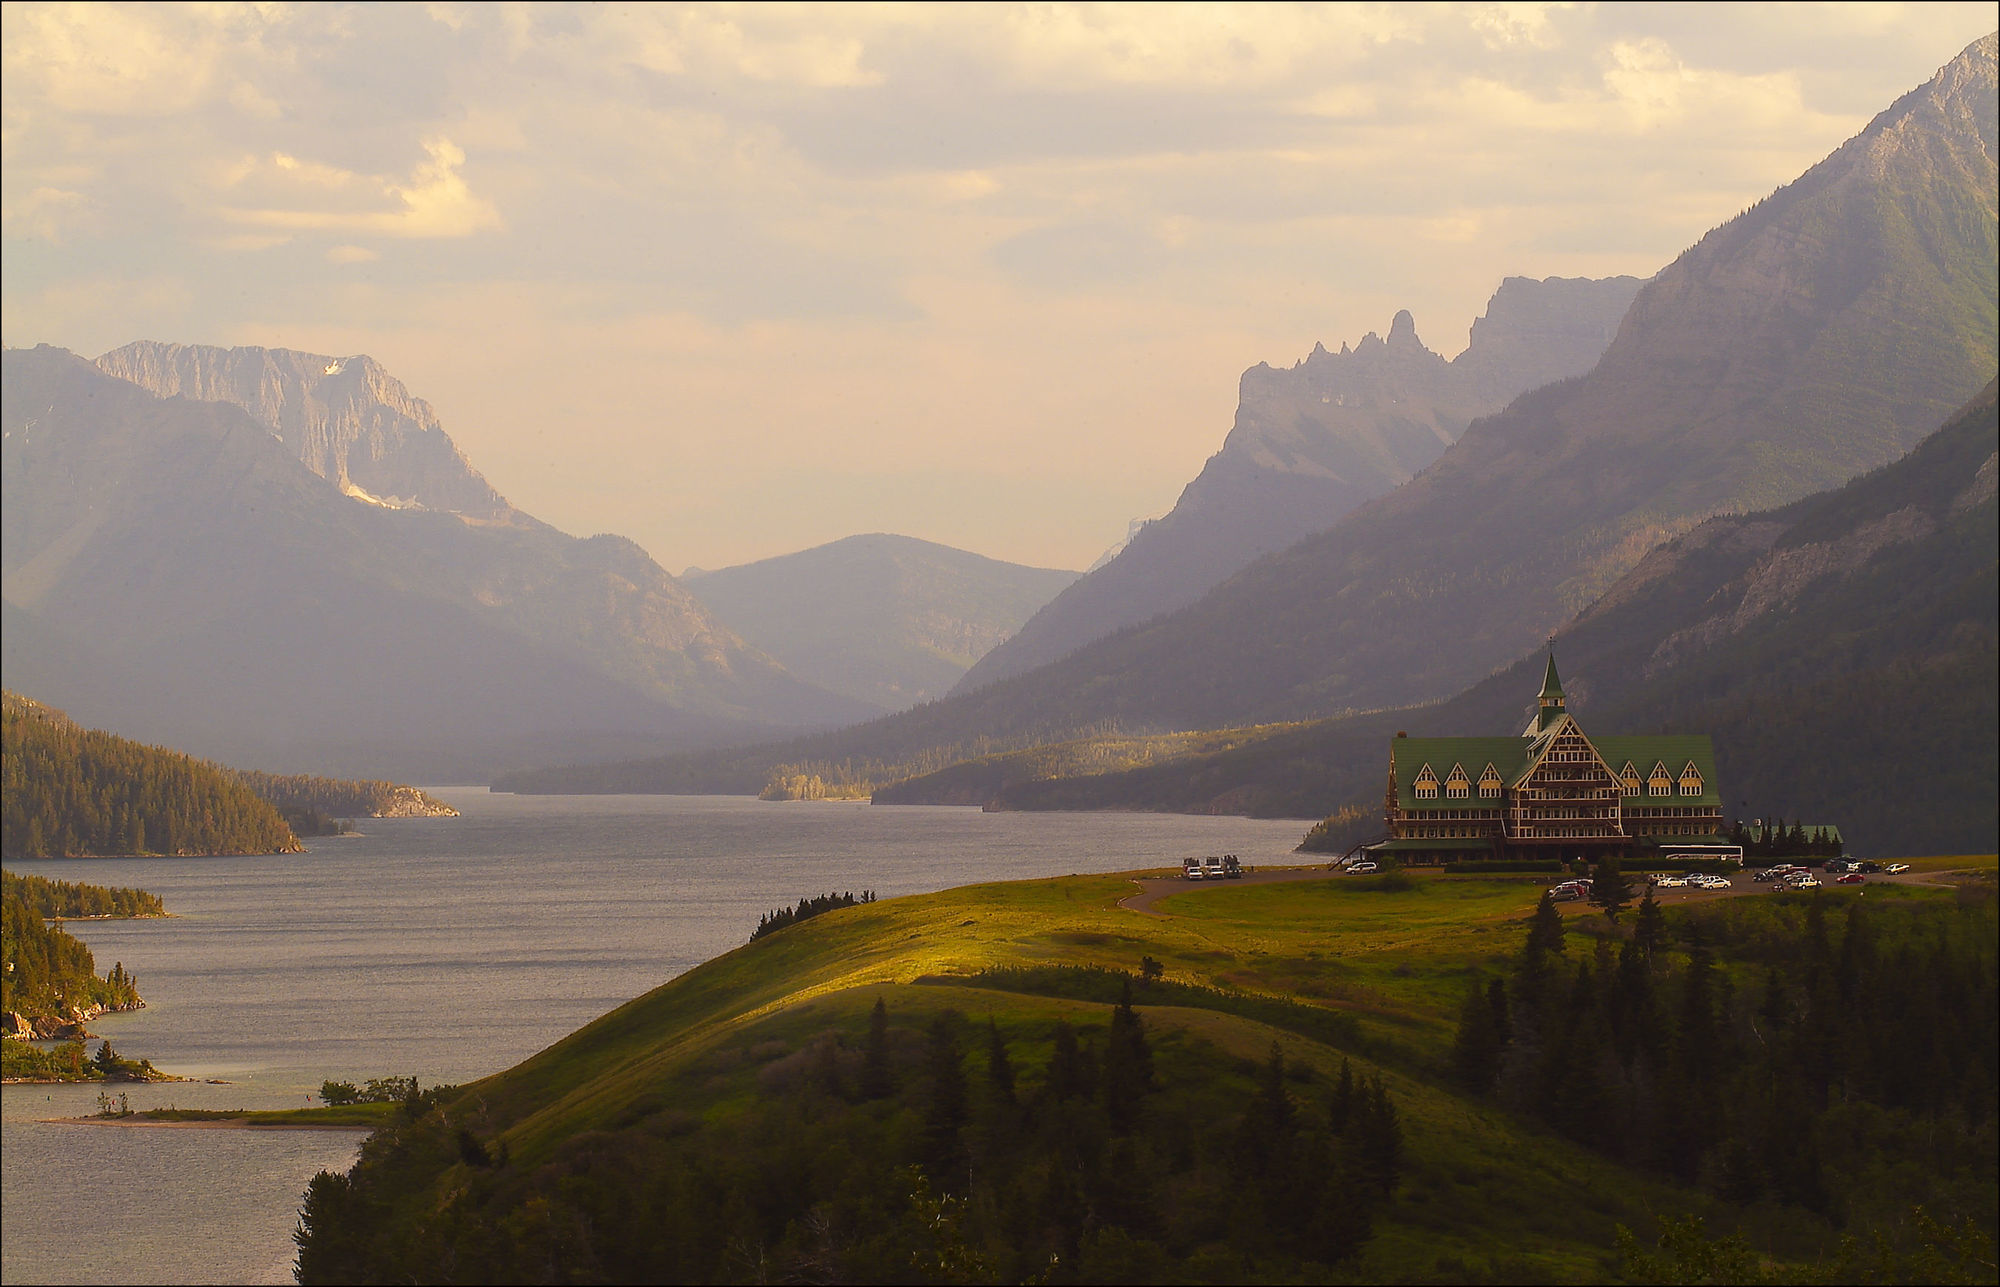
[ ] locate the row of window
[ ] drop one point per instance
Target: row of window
(1458, 786)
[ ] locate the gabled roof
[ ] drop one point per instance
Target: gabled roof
(1674, 750)
(1513, 756)
(1412, 753)
(1540, 743)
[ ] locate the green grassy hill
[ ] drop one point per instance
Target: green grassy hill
(722, 1127)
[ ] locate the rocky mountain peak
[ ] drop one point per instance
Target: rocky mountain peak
(345, 418)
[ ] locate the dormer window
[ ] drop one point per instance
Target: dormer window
(1426, 785)
(1458, 786)
(1660, 782)
(1629, 778)
(1490, 784)
(1690, 780)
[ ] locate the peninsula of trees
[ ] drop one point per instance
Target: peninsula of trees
(49, 979)
(72, 792)
(340, 798)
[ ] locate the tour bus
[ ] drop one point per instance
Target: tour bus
(1707, 853)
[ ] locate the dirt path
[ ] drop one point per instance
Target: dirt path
(1153, 888)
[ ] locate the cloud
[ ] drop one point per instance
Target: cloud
(935, 233)
(433, 202)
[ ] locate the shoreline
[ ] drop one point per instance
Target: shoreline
(210, 1124)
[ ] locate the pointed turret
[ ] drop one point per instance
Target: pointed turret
(1552, 684)
(1551, 697)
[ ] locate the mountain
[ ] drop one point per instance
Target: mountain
(887, 620)
(1821, 333)
(1840, 650)
(1312, 442)
(173, 571)
(346, 419)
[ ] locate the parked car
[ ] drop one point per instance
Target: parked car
(1191, 869)
(1851, 878)
(1866, 866)
(1671, 882)
(1807, 881)
(1896, 868)
(1363, 867)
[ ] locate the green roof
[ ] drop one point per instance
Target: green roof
(1552, 685)
(1505, 754)
(1510, 755)
(1673, 750)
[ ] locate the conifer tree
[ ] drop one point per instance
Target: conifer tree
(999, 1068)
(1380, 1139)
(1128, 1062)
(1609, 888)
(945, 1107)
(1068, 1077)
(1268, 1122)
(1475, 1052)
(877, 1079)
(1340, 1109)
(1650, 930)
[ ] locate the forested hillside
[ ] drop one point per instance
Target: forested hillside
(1759, 1047)
(49, 975)
(71, 792)
(73, 900)
(1841, 652)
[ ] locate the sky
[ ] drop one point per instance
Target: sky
(739, 280)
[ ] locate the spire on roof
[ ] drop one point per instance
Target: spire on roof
(1549, 706)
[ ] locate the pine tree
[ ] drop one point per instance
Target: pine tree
(1340, 1109)
(1545, 930)
(999, 1068)
(1266, 1131)
(1475, 1052)
(1128, 1063)
(1380, 1139)
(945, 1107)
(877, 1078)
(1069, 1078)
(1650, 930)
(1610, 889)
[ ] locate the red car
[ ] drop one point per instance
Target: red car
(1852, 878)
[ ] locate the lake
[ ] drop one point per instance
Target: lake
(446, 949)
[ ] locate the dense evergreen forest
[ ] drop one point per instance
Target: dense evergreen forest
(48, 973)
(951, 1152)
(330, 798)
(70, 900)
(1768, 1049)
(69, 792)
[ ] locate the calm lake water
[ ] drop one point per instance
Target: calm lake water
(448, 949)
